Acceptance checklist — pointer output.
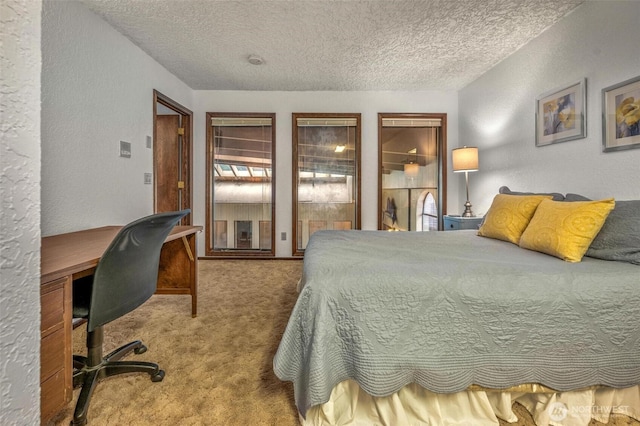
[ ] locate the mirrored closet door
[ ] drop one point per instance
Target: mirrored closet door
(412, 171)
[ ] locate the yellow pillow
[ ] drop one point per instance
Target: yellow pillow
(509, 216)
(566, 229)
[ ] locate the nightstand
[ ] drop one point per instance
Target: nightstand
(454, 223)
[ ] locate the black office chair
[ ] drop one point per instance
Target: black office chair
(126, 276)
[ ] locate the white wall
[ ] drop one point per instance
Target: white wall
(369, 104)
(97, 89)
(20, 212)
(599, 42)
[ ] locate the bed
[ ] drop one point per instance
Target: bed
(452, 328)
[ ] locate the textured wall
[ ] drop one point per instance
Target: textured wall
(20, 212)
(599, 42)
(369, 104)
(97, 89)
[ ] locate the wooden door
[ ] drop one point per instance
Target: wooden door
(168, 174)
(171, 156)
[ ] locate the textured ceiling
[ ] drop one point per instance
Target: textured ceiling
(328, 44)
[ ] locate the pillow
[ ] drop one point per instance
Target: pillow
(575, 197)
(565, 230)
(619, 238)
(556, 195)
(509, 216)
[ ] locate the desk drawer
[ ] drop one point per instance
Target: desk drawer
(51, 305)
(55, 347)
(52, 354)
(53, 394)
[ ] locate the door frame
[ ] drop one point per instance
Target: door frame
(187, 152)
(442, 163)
(296, 227)
(209, 229)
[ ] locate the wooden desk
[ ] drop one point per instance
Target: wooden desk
(66, 257)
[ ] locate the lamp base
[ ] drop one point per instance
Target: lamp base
(467, 210)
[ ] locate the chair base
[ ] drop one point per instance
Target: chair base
(87, 376)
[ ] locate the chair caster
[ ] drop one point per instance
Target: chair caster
(140, 350)
(158, 376)
(78, 423)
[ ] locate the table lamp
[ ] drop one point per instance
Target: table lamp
(411, 170)
(411, 167)
(465, 160)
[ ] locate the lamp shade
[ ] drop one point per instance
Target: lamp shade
(411, 169)
(465, 159)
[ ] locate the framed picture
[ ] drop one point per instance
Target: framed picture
(621, 116)
(561, 114)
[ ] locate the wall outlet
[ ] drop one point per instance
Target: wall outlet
(148, 178)
(283, 236)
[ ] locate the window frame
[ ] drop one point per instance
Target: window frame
(295, 171)
(441, 201)
(210, 197)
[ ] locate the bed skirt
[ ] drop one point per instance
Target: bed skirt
(414, 405)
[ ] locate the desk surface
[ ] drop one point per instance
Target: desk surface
(67, 254)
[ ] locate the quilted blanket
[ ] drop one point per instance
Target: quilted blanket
(449, 309)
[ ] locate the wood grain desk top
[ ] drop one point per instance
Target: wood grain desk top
(67, 254)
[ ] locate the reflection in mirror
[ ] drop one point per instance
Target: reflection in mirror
(410, 173)
(326, 190)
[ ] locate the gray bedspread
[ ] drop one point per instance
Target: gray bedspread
(450, 309)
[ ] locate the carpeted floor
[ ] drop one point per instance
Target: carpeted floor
(218, 365)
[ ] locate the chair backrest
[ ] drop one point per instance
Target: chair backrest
(127, 273)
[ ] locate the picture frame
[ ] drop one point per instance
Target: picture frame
(621, 116)
(561, 114)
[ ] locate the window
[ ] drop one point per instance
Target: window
(428, 219)
(240, 184)
(326, 174)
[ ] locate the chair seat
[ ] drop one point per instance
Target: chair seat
(82, 296)
(80, 312)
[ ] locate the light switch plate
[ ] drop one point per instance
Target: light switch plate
(149, 142)
(148, 178)
(125, 149)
